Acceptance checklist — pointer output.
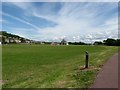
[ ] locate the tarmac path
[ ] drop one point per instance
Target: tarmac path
(108, 76)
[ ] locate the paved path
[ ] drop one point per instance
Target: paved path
(108, 76)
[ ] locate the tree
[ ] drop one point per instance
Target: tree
(118, 42)
(112, 42)
(98, 43)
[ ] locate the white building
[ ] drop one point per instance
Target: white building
(64, 42)
(7, 40)
(17, 41)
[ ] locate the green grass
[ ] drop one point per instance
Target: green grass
(0, 66)
(45, 66)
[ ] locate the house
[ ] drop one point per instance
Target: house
(55, 43)
(0, 38)
(11, 40)
(17, 40)
(7, 40)
(27, 41)
(64, 42)
(0, 35)
(42, 43)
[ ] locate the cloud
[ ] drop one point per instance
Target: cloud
(20, 20)
(22, 5)
(60, 1)
(24, 33)
(74, 21)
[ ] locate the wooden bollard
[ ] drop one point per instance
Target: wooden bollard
(87, 58)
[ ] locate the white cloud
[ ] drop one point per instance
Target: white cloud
(24, 33)
(74, 23)
(60, 1)
(22, 5)
(23, 21)
(70, 25)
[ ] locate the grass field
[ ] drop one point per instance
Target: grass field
(45, 66)
(0, 67)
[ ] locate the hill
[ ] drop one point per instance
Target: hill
(6, 38)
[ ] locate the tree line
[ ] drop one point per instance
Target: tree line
(109, 42)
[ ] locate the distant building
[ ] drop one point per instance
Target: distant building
(27, 41)
(7, 40)
(17, 40)
(55, 43)
(64, 42)
(11, 40)
(0, 38)
(42, 43)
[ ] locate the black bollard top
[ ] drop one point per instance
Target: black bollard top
(86, 52)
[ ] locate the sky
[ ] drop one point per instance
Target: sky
(53, 21)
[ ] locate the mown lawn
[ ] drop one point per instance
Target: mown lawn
(0, 66)
(45, 66)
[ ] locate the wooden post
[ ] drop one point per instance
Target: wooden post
(86, 61)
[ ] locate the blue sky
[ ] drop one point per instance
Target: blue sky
(53, 21)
